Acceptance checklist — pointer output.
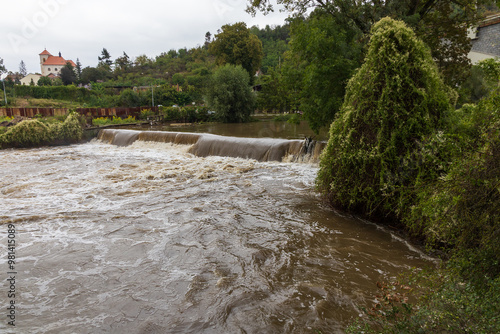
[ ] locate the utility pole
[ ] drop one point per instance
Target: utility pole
(152, 95)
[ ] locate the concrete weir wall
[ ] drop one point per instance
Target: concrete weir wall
(261, 149)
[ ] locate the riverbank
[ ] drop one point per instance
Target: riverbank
(33, 132)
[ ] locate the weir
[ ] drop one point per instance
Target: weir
(261, 149)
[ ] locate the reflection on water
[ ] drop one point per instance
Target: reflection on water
(261, 129)
(151, 239)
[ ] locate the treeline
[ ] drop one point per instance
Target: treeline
(176, 77)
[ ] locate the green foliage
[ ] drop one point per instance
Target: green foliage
(186, 114)
(394, 101)
(68, 75)
(54, 92)
(230, 95)
(70, 130)
(101, 121)
(327, 55)
(2, 67)
(445, 304)
(274, 44)
(432, 20)
(44, 81)
(26, 134)
(236, 45)
(460, 212)
(274, 95)
(31, 133)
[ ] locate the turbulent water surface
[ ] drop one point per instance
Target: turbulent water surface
(149, 238)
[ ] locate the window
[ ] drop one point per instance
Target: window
(48, 69)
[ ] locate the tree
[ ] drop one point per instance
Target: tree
(208, 39)
(274, 44)
(236, 45)
(92, 74)
(327, 55)
(22, 69)
(230, 95)
(123, 62)
(273, 96)
(78, 69)
(105, 57)
(44, 81)
(431, 20)
(2, 67)
(67, 74)
(393, 102)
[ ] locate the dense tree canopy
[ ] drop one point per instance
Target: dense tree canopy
(440, 23)
(68, 75)
(229, 94)
(326, 55)
(236, 45)
(394, 101)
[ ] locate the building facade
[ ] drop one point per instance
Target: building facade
(51, 65)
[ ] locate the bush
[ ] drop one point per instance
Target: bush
(27, 134)
(70, 130)
(32, 133)
(460, 212)
(394, 101)
(101, 121)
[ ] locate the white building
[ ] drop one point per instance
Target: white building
(51, 65)
(27, 79)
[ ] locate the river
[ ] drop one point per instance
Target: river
(149, 238)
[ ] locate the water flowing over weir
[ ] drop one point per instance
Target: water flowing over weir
(260, 149)
(149, 238)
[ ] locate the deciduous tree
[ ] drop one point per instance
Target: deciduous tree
(442, 24)
(236, 45)
(230, 95)
(327, 55)
(44, 81)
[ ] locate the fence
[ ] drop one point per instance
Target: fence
(89, 112)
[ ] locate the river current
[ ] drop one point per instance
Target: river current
(148, 238)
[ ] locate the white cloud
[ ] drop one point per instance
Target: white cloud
(81, 29)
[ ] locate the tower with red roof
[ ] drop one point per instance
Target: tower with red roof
(52, 65)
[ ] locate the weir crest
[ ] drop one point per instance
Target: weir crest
(202, 144)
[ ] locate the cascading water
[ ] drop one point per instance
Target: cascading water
(260, 149)
(150, 238)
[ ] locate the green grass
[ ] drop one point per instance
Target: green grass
(5, 118)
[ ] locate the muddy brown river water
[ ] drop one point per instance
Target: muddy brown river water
(149, 238)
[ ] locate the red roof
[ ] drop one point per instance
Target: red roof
(52, 60)
(45, 52)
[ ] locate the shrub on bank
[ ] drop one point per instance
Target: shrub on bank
(32, 133)
(101, 121)
(188, 114)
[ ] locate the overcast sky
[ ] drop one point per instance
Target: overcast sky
(81, 29)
